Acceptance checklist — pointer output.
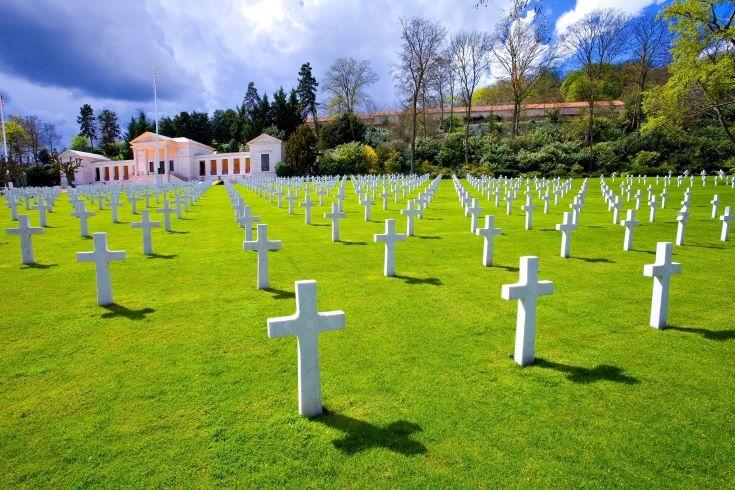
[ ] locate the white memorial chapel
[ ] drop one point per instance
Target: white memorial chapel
(179, 159)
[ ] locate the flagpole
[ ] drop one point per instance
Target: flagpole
(155, 116)
(2, 117)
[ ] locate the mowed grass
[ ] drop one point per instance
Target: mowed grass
(178, 384)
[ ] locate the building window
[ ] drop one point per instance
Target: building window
(126, 175)
(161, 167)
(236, 166)
(107, 173)
(265, 159)
(117, 173)
(202, 167)
(170, 165)
(97, 174)
(247, 165)
(225, 167)
(213, 167)
(150, 167)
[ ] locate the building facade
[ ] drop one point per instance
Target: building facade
(179, 159)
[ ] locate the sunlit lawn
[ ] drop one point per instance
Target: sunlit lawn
(178, 384)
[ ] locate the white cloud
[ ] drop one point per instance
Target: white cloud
(584, 7)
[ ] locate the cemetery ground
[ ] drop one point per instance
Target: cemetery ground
(177, 383)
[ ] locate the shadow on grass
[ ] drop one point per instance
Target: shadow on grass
(546, 229)
(578, 374)
(420, 280)
(640, 250)
(280, 293)
(38, 266)
(345, 242)
(360, 435)
(707, 246)
(115, 310)
(509, 268)
(433, 219)
(161, 256)
(428, 237)
(594, 260)
(320, 224)
(179, 232)
(718, 335)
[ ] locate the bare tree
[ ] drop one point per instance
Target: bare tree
(32, 125)
(470, 60)
(68, 167)
(438, 80)
(421, 44)
(346, 81)
(593, 42)
(649, 44)
(50, 137)
(521, 52)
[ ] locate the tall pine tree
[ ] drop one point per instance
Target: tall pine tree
(87, 123)
(306, 91)
(109, 131)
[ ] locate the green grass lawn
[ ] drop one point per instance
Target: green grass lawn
(178, 384)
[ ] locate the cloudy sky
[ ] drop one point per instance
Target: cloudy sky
(58, 54)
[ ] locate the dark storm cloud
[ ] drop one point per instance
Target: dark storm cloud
(99, 49)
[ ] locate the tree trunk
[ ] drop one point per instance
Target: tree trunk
(414, 119)
(467, 134)
(724, 125)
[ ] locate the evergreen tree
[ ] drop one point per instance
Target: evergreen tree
(306, 91)
(109, 131)
(251, 98)
(87, 123)
(301, 152)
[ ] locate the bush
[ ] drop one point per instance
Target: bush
(346, 159)
(41, 176)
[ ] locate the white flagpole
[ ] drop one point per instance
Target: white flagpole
(155, 116)
(2, 117)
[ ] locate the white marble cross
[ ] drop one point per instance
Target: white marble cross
(133, 199)
(726, 219)
(576, 209)
(306, 324)
(82, 214)
(246, 221)
(629, 223)
(115, 204)
(145, 224)
(179, 202)
(13, 205)
(509, 203)
(616, 205)
(473, 211)
(654, 205)
(102, 258)
(166, 210)
(566, 228)
(368, 203)
(390, 238)
(262, 245)
(410, 213)
(682, 219)
(25, 231)
(546, 198)
(291, 197)
(307, 205)
(715, 202)
(528, 208)
(488, 232)
(526, 291)
(335, 216)
(661, 271)
(386, 198)
(42, 208)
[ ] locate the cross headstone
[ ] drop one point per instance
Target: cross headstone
(488, 232)
(367, 202)
(42, 208)
(566, 228)
(306, 324)
(246, 221)
(102, 257)
(13, 205)
(307, 205)
(262, 245)
(115, 204)
(526, 291)
(25, 232)
(410, 213)
(629, 223)
(474, 211)
(726, 219)
(681, 219)
(166, 210)
(661, 271)
(335, 216)
(715, 202)
(145, 224)
(82, 214)
(390, 238)
(528, 208)
(654, 205)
